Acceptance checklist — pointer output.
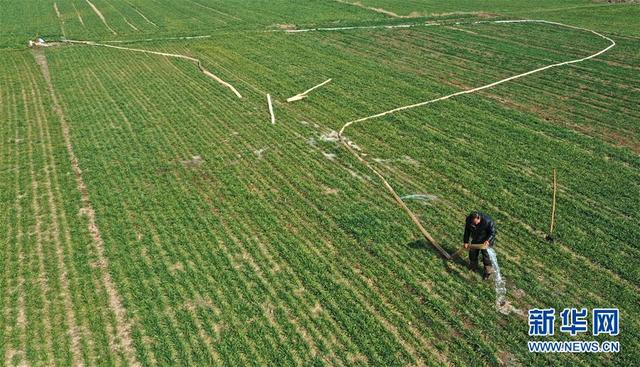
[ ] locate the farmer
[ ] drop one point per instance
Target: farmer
(482, 230)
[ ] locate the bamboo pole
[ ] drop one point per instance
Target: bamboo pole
(553, 206)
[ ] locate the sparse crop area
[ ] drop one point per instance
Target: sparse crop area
(150, 216)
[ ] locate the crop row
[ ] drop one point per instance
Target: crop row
(580, 196)
(159, 128)
(54, 307)
(234, 241)
(182, 215)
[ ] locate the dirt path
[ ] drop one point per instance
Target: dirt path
(99, 14)
(184, 57)
(124, 342)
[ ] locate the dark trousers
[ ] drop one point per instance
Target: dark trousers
(473, 257)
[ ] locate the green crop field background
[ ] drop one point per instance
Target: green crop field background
(151, 217)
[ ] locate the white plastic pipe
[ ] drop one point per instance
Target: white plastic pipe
(273, 116)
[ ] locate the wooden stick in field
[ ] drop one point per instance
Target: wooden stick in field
(553, 206)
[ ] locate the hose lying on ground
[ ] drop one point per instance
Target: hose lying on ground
(389, 188)
(192, 59)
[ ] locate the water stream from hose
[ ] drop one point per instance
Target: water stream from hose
(499, 283)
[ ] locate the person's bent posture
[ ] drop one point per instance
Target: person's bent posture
(482, 230)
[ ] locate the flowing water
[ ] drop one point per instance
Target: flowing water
(500, 286)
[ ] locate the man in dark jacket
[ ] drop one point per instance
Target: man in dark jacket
(482, 230)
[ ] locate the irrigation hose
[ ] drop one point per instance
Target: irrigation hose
(389, 188)
(184, 57)
(345, 141)
(471, 247)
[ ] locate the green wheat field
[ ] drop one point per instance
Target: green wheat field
(149, 216)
